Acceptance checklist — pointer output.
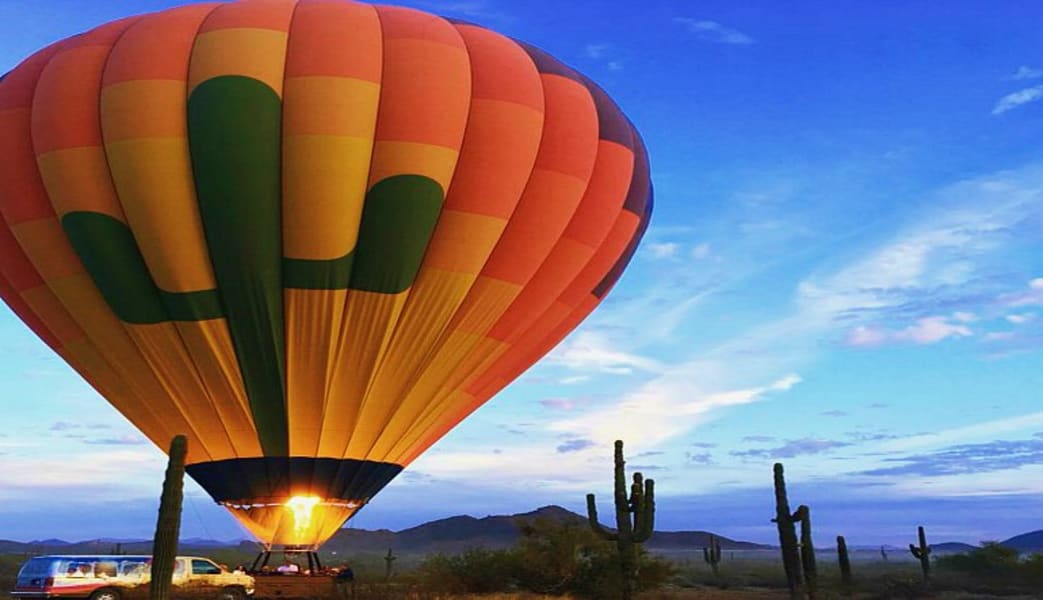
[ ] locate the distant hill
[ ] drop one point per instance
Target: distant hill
(952, 548)
(450, 535)
(455, 534)
(1026, 542)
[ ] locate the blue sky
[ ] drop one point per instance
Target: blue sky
(843, 273)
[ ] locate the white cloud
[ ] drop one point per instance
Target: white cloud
(864, 336)
(930, 330)
(1019, 319)
(662, 249)
(139, 471)
(984, 431)
(665, 407)
(1031, 297)
(712, 31)
(595, 50)
(964, 317)
(701, 251)
(614, 65)
(1024, 72)
(558, 403)
(1018, 98)
(591, 351)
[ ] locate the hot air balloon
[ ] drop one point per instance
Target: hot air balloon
(312, 236)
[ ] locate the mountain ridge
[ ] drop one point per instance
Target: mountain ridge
(450, 534)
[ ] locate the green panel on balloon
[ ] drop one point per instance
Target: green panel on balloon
(235, 127)
(397, 222)
(111, 256)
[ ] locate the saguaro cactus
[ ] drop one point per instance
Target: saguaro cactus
(635, 519)
(388, 559)
(168, 524)
(923, 553)
(784, 519)
(807, 550)
(712, 554)
(845, 563)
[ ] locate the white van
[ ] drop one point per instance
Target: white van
(125, 578)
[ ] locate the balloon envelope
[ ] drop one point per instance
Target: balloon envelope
(311, 236)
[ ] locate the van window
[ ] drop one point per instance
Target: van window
(131, 568)
(106, 569)
(204, 567)
(78, 567)
(37, 567)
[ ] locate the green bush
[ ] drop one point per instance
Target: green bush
(476, 571)
(558, 557)
(991, 559)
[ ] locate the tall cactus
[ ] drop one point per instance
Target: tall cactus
(712, 555)
(388, 559)
(807, 550)
(168, 524)
(845, 563)
(784, 519)
(635, 519)
(923, 553)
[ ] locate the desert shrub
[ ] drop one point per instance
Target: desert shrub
(476, 571)
(991, 559)
(565, 556)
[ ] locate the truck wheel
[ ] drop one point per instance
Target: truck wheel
(105, 594)
(232, 593)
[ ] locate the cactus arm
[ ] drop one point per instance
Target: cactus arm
(592, 518)
(646, 525)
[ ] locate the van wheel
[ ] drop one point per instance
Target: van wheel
(105, 594)
(232, 593)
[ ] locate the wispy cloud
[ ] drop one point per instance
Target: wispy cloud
(1018, 98)
(966, 459)
(928, 330)
(558, 403)
(604, 54)
(595, 50)
(1025, 72)
(1033, 296)
(712, 31)
(664, 407)
(123, 440)
(969, 433)
(792, 448)
(575, 446)
(662, 249)
(591, 351)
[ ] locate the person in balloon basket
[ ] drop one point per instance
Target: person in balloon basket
(288, 568)
(344, 581)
